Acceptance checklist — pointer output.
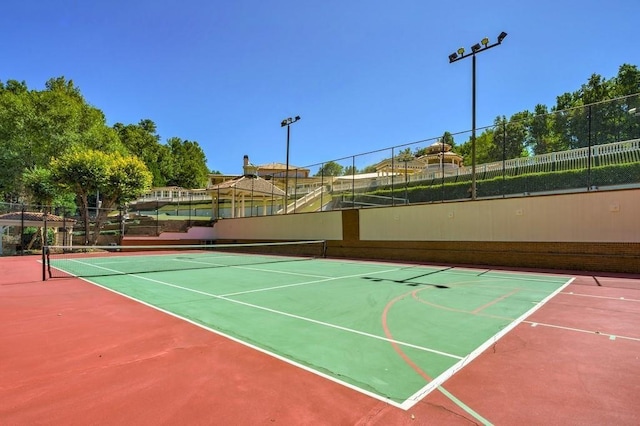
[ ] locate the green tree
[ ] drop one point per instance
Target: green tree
(582, 118)
(405, 153)
(447, 138)
(142, 141)
(43, 190)
(330, 168)
(484, 144)
(541, 130)
(350, 170)
(510, 138)
(35, 126)
(64, 120)
(16, 111)
(419, 152)
(117, 178)
(189, 164)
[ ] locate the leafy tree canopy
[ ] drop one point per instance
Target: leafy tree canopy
(37, 126)
(188, 164)
(117, 178)
(578, 118)
(330, 168)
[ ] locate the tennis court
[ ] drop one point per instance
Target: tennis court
(263, 338)
(394, 332)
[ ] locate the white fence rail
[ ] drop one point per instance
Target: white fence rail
(601, 155)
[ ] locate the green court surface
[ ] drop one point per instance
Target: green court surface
(392, 331)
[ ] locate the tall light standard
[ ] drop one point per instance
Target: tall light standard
(456, 56)
(287, 122)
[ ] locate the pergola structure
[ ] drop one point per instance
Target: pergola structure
(437, 155)
(242, 190)
(36, 219)
(440, 155)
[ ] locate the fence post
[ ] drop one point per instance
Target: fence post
(393, 171)
(589, 152)
(504, 156)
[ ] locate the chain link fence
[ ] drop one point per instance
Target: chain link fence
(22, 226)
(589, 148)
(594, 147)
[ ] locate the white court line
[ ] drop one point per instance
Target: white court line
(326, 324)
(252, 346)
(624, 299)
(250, 268)
(580, 330)
(179, 260)
(102, 266)
(292, 362)
(502, 276)
(432, 385)
(170, 257)
(410, 401)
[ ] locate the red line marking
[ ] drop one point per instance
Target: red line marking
(447, 308)
(396, 347)
(493, 302)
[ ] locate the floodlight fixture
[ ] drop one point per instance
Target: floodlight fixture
(634, 111)
(287, 122)
(476, 48)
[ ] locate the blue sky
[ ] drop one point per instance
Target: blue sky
(363, 75)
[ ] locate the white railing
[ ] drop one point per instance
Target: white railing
(182, 198)
(608, 154)
(307, 198)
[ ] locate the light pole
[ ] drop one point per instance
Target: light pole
(287, 122)
(456, 56)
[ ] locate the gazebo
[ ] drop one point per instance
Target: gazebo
(242, 190)
(440, 156)
(36, 219)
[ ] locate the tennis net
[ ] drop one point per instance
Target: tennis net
(64, 261)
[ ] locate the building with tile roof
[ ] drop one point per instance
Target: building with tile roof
(62, 227)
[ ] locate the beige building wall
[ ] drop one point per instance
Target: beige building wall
(612, 216)
(304, 226)
(595, 231)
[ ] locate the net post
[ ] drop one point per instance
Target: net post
(44, 264)
(48, 255)
(45, 244)
(324, 249)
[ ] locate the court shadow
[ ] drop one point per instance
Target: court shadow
(407, 282)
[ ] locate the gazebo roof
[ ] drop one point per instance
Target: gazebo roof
(33, 219)
(248, 185)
